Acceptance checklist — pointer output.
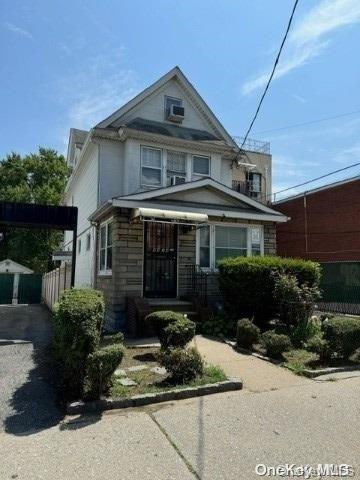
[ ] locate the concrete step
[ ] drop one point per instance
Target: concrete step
(170, 304)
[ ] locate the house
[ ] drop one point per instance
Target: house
(325, 227)
(9, 266)
(153, 186)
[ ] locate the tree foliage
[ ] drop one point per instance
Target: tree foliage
(35, 178)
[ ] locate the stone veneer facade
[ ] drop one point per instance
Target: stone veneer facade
(127, 263)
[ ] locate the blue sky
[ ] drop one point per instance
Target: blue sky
(69, 64)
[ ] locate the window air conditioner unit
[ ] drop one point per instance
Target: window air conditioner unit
(177, 180)
(176, 113)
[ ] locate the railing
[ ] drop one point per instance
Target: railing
(197, 283)
(252, 145)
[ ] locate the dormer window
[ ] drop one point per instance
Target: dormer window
(169, 101)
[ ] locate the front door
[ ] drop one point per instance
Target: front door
(160, 260)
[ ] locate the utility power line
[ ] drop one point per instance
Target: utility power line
(271, 75)
(310, 122)
(317, 178)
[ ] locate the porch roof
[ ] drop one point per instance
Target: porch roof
(173, 216)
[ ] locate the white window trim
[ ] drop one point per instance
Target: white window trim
(161, 168)
(105, 271)
(192, 166)
(212, 226)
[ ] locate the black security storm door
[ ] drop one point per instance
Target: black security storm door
(160, 260)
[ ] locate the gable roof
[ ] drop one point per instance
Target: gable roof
(77, 137)
(15, 264)
(195, 96)
(203, 183)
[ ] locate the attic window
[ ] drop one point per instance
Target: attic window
(171, 101)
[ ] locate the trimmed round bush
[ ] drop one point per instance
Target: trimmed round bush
(178, 333)
(113, 338)
(317, 344)
(100, 367)
(275, 344)
(246, 333)
(343, 335)
(161, 319)
(248, 283)
(183, 364)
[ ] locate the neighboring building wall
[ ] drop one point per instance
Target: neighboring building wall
(324, 225)
(111, 170)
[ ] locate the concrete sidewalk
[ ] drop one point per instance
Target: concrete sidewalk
(257, 375)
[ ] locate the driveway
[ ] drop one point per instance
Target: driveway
(27, 399)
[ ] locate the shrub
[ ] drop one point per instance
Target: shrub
(247, 333)
(218, 325)
(275, 344)
(100, 367)
(78, 321)
(178, 333)
(317, 344)
(161, 319)
(183, 365)
(295, 302)
(343, 335)
(306, 329)
(247, 283)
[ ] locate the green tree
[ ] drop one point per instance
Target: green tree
(36, 178)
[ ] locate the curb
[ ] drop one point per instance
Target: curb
(103, 404)
(327, 371)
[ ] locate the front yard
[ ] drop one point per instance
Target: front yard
(140, 365)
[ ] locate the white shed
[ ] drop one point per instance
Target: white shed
(9, 266)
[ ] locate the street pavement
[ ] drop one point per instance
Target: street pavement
(222, 436)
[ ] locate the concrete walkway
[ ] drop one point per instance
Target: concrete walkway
(257, 375)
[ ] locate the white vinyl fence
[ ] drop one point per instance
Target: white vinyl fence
(54, 283)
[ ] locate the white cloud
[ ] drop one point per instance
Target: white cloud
(298, 98)
(307, 38)
(18, 30)
(97, 89)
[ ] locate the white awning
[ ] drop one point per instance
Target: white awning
(170, 216)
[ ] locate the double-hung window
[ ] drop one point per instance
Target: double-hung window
(200, 166)
(151, 167)
(215, 242)
(175, 167)
(105, 248)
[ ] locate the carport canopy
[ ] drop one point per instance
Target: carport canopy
(33, 215)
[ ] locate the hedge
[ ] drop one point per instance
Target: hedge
(78, 321)
(183, 364)
(178, 334)
(246, 333)
(247, 283)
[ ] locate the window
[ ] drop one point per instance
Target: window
(151, 167)
(79, 245)
(255, 241)
(204, 248)
(176, 166)
(254, 184)
(105, 248)
(171, 101)
(201, 166)
(230, 242)
(88, 241)
(215, 242)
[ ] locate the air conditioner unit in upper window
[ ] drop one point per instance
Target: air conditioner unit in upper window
(176, 113)
(177, 180)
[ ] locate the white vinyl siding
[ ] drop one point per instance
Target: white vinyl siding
(215, 242)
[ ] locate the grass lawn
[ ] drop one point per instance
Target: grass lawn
(150, 382)
(299, 360)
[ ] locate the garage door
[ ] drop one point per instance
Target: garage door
(30, 288)
(6, 288)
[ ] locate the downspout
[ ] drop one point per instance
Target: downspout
(305, 225)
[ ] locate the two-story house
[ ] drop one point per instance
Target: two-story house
(153, 185)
